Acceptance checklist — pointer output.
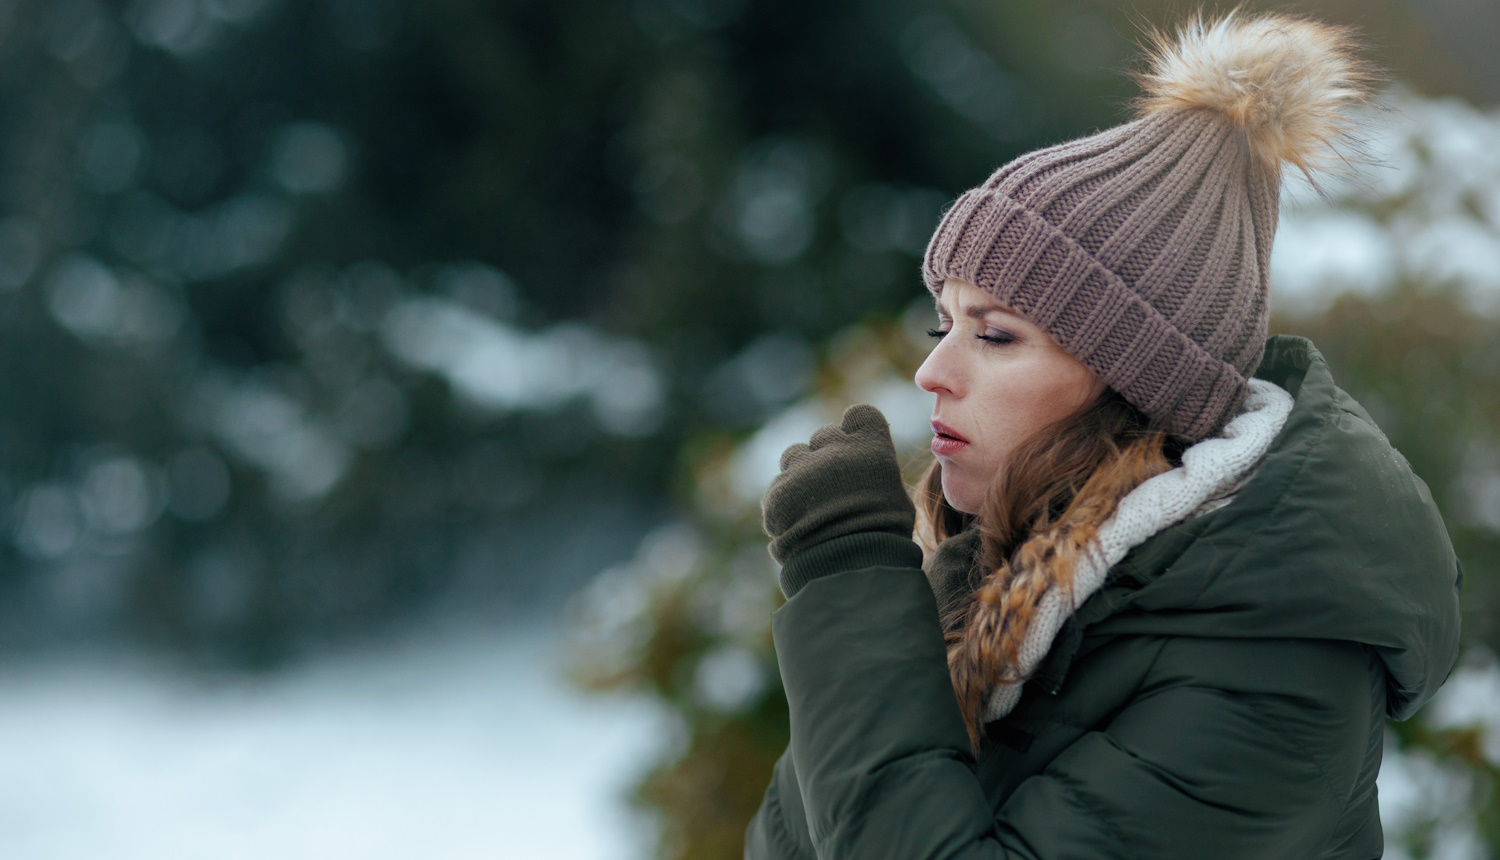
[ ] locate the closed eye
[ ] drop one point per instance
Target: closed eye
(999, 339)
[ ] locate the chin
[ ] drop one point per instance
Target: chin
(961, 497)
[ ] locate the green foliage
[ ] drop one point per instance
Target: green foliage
(662, 625)
(695, 612)
(314, 313)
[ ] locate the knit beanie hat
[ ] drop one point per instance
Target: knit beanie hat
(1143, 250)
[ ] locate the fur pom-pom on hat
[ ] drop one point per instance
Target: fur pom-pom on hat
(1284, 82)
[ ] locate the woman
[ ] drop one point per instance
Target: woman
(1177, 578)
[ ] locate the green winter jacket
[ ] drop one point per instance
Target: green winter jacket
(1222, 696)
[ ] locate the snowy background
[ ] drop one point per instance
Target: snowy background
(443, 745)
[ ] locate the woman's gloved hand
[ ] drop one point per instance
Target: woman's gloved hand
(844, 482)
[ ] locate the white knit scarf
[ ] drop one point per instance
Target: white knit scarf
(1211, 471)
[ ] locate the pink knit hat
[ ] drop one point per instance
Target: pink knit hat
(1143, 249)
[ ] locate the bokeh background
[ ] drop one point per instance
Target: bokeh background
(387, 389)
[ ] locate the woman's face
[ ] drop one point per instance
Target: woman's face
(998, 379)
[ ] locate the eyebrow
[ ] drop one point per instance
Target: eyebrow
(978, 312)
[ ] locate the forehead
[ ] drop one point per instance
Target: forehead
(960, 299)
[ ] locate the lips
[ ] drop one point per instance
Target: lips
(946, 441)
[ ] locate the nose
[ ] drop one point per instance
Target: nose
(938, 374)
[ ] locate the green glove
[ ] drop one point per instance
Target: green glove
(845, 487)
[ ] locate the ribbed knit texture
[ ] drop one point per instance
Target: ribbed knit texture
(1143, 250)
(1209, 469)
(858, 551)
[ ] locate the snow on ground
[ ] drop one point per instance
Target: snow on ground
(469, 747)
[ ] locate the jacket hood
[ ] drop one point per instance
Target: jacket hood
(1333, 537)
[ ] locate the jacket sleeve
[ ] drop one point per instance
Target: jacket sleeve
(1187, 768)
(779, 829)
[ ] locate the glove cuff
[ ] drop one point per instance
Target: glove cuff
(850, 552)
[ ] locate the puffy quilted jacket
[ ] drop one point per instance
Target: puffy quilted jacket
(1222, 696)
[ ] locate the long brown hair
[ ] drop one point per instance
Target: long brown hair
(1041, 512)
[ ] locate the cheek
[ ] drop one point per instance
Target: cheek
(1023, 402)
(1059, 399)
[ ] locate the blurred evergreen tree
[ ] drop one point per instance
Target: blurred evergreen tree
(314, 312)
